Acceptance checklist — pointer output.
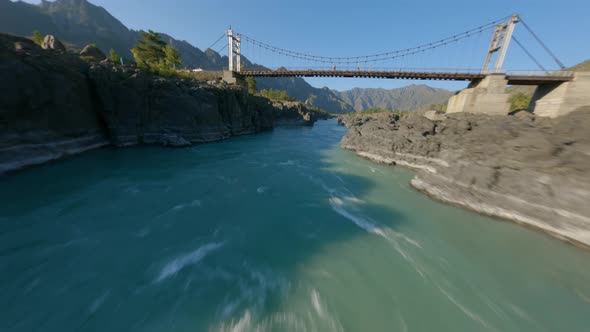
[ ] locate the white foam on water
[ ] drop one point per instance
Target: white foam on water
(178, 207)
(326, 318)
(353, 199)
(337, 201)
(194, 203)
(243, 323)
(279, 321)
(229, 308)
(337, 205)
(466, 310)
(521, 313)
(402, 321)
(262, 190)
(96, 304)
(144, 232)
(583, 296)
(254, 289)
(393, 237)
(317, 305)
(185, 260)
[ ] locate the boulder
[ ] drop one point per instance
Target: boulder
(523, 114)
(92, 52)
(52, 43)
(435, 115)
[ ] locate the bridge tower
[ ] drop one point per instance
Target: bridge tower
(235, 51)
(231, 75)
(500, 42)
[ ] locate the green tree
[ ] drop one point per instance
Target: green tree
(251, 85)
(172, 56)
(38, 37)
(114, 57)
(149, 51)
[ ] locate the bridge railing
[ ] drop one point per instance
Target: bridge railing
(371, 69)
(532, 73)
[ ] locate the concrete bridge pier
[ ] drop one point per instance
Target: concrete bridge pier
(487, 96)
(557, 99)
(231, 77)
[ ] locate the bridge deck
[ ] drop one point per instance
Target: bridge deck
(516, 79)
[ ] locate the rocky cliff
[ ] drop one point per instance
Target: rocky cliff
(53, 104)
(532, 170)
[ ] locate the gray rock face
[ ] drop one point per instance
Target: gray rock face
(139, 108)
(535, 171)
(54, 105)
(46, 108)
(52, 43)
(295, 113)
(93, 52)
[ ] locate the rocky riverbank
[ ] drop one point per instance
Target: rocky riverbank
(532, 170)
(54, 104)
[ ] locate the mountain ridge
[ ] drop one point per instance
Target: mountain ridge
(411, 97)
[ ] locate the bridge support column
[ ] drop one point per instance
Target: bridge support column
(553, 100)
(232, 77)
(486, 96)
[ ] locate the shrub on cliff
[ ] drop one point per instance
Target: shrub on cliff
(519, 101)
(276, 95)
(38, 37)
(251, 85)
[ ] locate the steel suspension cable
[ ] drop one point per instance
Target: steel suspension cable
(559, 63)
(217, 41)
(528, 53)
(378, 56)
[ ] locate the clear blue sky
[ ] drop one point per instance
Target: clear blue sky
(351, 28)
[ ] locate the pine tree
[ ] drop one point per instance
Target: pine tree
(172, 56)
(114, 57)
(149, 51)
(152, 53)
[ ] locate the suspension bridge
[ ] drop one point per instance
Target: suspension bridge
(558, 89)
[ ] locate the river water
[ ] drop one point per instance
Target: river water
(281, 231)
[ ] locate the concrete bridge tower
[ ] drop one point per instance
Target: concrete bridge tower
(234, 57)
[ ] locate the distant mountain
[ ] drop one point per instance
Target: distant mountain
(298, 88)
(78, 23)
(411, 97)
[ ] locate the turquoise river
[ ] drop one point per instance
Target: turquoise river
(281, 231)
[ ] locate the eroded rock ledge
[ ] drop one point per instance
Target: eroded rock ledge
(532, 170)
(53, 104)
